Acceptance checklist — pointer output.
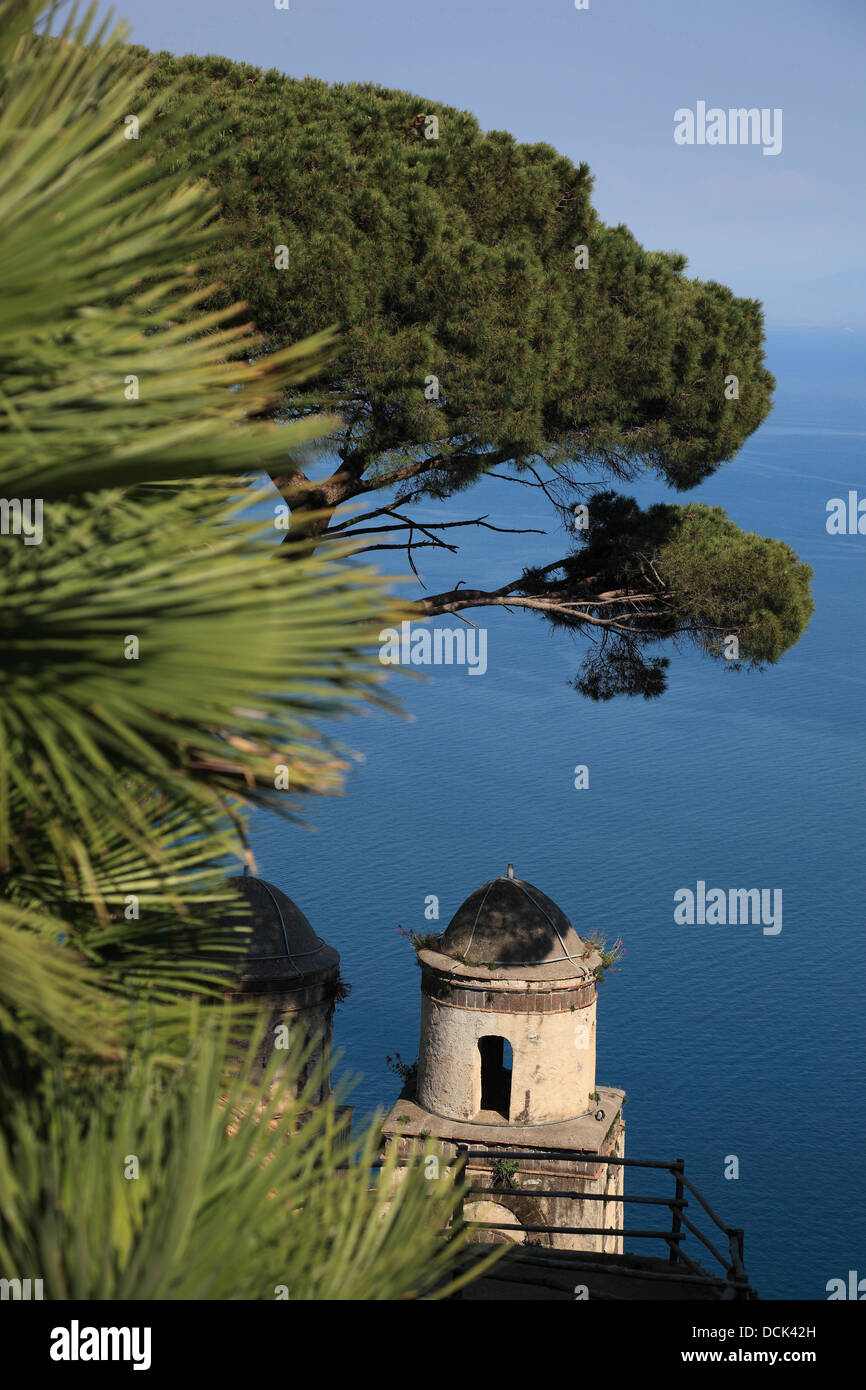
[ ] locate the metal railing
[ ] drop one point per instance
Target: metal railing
(733, 1282)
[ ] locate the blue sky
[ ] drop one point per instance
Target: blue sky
(602, 85)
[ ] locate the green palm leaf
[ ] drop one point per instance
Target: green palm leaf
(49, 994)
(124, 776)
(238, 659)
(275, 1210)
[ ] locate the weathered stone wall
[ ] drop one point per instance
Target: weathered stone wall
(526, 1203)
(553, 1051)
(306, 1013)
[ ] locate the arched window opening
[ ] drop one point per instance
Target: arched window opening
(496, 1064)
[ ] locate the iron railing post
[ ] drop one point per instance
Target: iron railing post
(677, 1168)
(737, 1269)
(459, 1176)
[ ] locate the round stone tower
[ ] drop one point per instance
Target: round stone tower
(293, 975)
(508, 1000)
(506, 1073)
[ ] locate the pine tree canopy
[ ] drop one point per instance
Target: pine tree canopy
(642, 576)
(455, 257)
(491, 320)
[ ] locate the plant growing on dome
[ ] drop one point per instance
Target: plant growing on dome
(426, 941)
(610, 955)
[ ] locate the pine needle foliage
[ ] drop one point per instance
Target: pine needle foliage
(683, 573)
(492, 324)
(100, 301)
(455, 255)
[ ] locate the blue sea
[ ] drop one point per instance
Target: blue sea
(728, 1041)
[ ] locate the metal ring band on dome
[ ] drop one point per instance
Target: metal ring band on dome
(298, 954)
(487, 888)
(575, 960)
(289, 954)
(567, 956)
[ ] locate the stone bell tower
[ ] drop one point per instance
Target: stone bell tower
(507, 1062)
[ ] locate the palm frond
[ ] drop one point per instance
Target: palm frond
(163, 669)
(147, 1187)
(48, 992)
(165, 644)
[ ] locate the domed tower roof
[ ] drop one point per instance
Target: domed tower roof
(512, 923)
(284, 951)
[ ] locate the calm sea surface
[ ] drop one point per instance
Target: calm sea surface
(728, 1042)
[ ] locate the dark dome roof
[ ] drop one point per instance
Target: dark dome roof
(284, 950)
(512, 923)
